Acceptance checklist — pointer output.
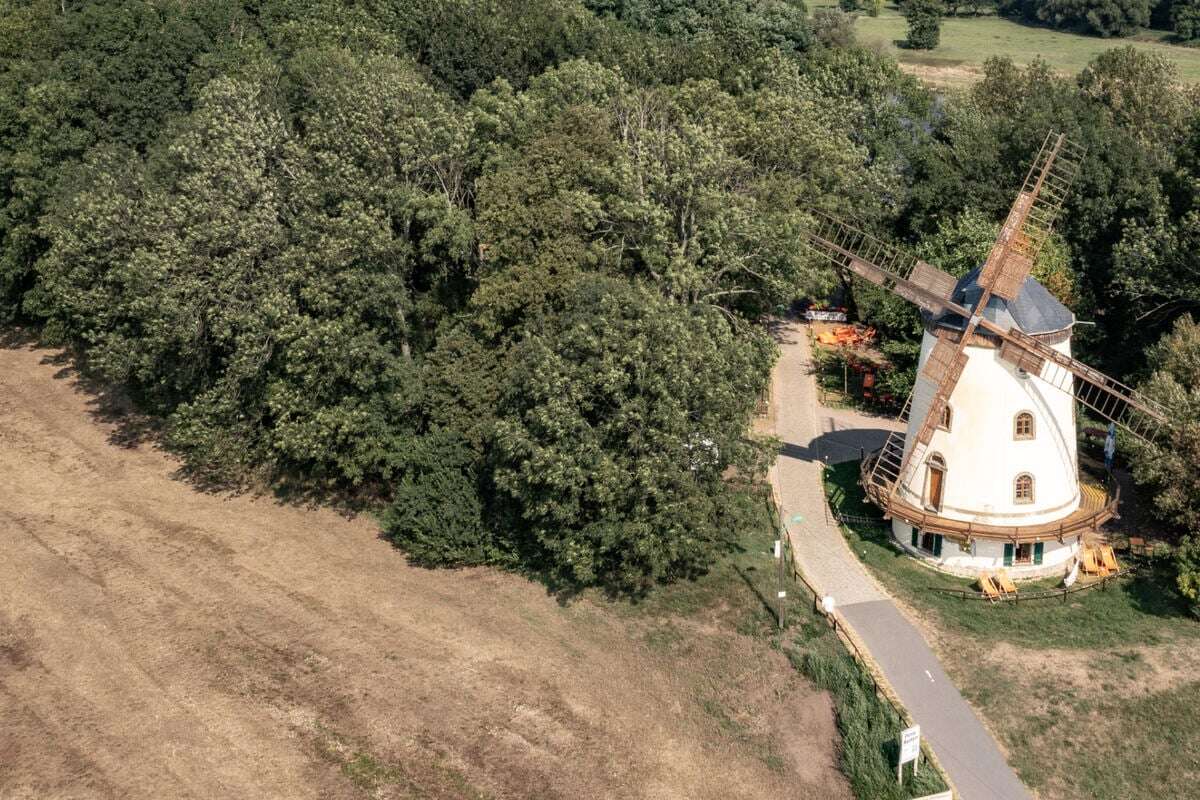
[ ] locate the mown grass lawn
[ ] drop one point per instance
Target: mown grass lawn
(968, 41)
(1093, 698)
(1144, 609)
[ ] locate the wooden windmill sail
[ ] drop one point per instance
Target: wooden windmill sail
(1003, 275)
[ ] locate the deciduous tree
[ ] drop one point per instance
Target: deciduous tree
(1103, 17)
(1185, 19)
(622, 434)
(924, 23)
(1167, 468)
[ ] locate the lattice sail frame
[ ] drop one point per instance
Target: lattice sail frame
(882, 264)
(1025, 231)
(1032, 216)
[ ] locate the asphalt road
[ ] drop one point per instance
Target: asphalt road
(965, 748)
(811, 435)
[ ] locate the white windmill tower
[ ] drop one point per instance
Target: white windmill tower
(986, 473)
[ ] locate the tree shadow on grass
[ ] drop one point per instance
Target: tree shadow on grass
(1152, 591)
(772, 611)
(107, 401)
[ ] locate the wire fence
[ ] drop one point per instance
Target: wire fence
(858, 519)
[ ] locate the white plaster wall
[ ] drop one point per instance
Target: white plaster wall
(982, 457)
(988, 555)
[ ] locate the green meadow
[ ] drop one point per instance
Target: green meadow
(969, 41)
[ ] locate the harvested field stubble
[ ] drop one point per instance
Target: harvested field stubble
(157, 641)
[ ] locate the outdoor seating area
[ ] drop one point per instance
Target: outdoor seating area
(848, 365)
(1139, 546)
(1097, 566)
(847, 336)
(997, 586)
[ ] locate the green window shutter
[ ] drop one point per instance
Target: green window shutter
(937, 545)
(1037, 552)
(1008, 554)
(916, 537)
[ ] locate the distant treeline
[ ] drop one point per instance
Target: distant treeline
(1110, 17)
(499, 269)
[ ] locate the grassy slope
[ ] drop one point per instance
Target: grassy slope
(968, 41)
(1094, 698)
(740, 592)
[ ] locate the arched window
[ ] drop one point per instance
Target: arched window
(947, 417)
(1023, 426)
(1023, 488)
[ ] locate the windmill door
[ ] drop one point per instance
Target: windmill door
(937, 481)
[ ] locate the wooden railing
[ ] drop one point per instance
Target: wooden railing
(893, 506)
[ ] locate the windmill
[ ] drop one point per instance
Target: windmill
(987, 457)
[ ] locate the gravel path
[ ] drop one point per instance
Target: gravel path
(812, 435)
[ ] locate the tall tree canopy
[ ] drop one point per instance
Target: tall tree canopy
(500, 269)
(618, 422)
(1169, 467)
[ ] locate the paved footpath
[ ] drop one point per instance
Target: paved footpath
(812, 435)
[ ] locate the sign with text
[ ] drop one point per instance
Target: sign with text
(910, 744)
(825, 316)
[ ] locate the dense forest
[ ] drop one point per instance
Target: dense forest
(500, 269)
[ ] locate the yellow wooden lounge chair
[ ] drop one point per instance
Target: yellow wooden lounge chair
(989, 589)
(1109, 559)
(1090, 565)
(1005, 583)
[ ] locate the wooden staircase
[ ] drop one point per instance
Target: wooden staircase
(882, 470)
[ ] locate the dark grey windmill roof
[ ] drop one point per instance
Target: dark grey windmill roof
(1033, 311)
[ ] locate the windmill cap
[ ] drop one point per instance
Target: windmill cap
(1033, 311)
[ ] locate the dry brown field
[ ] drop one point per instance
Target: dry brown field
(157, 641)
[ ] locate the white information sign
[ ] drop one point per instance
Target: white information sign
(827, 603)
(938, 796)
(910, 750)
(910, 744)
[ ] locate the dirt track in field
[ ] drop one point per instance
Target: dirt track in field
(160, 642)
